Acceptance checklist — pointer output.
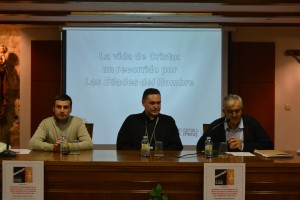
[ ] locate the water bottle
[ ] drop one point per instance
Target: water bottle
(208, 152)
(64, 146)
(145, 149)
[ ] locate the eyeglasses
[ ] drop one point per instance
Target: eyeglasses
(236, 111)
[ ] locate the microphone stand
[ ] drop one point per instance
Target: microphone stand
(8, 152)
(216, 151)
(219, 124)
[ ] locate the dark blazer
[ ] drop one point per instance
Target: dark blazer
(133, 129)
(255, 137)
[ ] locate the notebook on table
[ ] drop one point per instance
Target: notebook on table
(273, 153)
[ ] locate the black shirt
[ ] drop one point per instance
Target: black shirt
(255, 137)
(137, 125)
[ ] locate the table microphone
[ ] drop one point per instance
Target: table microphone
(216, 126)
(216, 152)
(8, 152)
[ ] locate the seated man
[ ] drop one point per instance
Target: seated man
(158, 127)
(47, 137)
(241, 132)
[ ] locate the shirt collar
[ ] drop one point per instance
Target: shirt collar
(148, 118)
(240, 126)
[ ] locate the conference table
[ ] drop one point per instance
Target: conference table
(112, 174)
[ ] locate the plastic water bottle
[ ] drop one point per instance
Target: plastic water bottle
(64, 146)
(145, 149)
(208, 152)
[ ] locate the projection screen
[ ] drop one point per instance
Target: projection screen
(107, 70)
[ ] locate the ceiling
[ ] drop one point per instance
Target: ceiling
(224, 13)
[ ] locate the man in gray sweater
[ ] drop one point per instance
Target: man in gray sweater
(48, 135)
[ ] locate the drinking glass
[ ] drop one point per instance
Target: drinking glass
(158, 151)
(77, 151)
(223, 150)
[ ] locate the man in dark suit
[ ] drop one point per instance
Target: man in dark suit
(151, 123)
(241, 132)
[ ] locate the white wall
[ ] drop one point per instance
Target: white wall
(27, 35)
(287, 81)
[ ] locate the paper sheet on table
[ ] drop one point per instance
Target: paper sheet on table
(21, 151)
(240, 153)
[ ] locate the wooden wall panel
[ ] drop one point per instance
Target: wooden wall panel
(252, 76)
(257, 62)
(259, 102)
(46, 60)
(45, 79)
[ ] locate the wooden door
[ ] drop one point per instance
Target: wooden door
(252, 76)
(45, 79)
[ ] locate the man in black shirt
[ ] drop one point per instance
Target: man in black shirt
(241, 132)
(158, 127)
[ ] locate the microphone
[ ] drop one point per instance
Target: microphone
(216, 126)
(8, 152)
(215, 151)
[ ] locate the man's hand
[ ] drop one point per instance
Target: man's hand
(235, 143)
(56, 146)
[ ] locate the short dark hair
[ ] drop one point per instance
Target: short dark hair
(150, 91)
(63, 97)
